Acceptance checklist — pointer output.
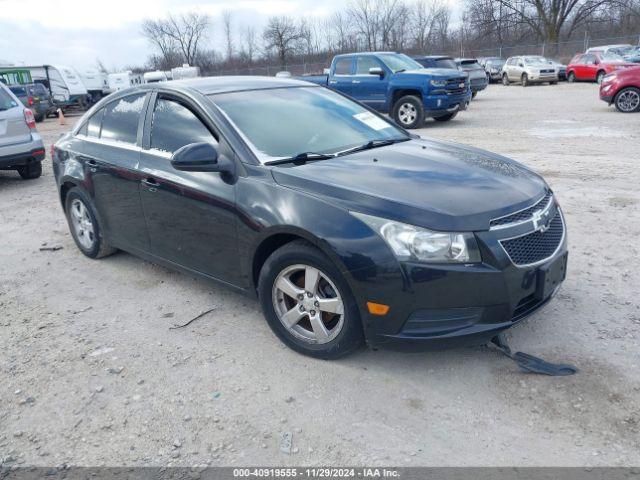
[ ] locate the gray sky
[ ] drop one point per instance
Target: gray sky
(77, 32)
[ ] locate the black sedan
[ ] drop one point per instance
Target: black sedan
(346, 227)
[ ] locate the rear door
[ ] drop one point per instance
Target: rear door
(13, 127)
(191, 216)
(367, 88)
(108, 147)
(342, 75)
(588, 67)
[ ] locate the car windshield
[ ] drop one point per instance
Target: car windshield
(6, 101)
(282, 123)
(496, 63)
(398, 62)
(18, 91)
(612, 57)
(470, 65)
(445, 63)
(535, 60)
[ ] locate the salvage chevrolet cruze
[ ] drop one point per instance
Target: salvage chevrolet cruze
(346, 227)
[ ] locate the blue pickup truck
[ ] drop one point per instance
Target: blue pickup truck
(396, 84)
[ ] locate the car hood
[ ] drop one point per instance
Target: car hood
(434, 72)
(433, 184)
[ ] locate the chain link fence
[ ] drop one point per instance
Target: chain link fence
(561, 51)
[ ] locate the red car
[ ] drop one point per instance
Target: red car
(594, 66)
(622, 88)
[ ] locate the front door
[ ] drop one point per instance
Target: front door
(369, 89)
(191, 216)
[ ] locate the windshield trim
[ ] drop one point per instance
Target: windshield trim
(263, 159)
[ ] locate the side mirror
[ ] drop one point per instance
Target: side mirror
(201, 157)
(376, 71)
(326, 71)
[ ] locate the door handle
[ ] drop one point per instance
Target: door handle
(355, 81)
(151, 183)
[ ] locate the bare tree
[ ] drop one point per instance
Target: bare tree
(249, 44)
(228, 34)
(281, 35)
(182, 33)
(365, 18)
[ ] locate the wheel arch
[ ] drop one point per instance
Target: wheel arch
(400, 92)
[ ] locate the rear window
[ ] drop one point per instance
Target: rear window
(121, 118)
(445, 63)
(6, 100)
(19, 91)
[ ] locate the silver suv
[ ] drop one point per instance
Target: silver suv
(528, 69)
(21, 146)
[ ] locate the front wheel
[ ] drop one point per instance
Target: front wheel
(628, 100)
(599, 77)
(553, 83)
(473, 94)
(525, 80)
(505, 80)
(408, 112)
(84, 225)
(308, 303)
(30, 171)
(447, 117)
(571, 77)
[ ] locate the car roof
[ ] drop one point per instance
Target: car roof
(213, 85)
(432, 57)
(365, 54)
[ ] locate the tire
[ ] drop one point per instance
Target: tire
(599, 76)
(525, 80)
(627, 100)
(553, 83)
(473, 94)
(505, 80)
(571, 77)
(40, 118)
(408, 112)
(447, 117)
(30, 171)
(341, 334)
(97, 248)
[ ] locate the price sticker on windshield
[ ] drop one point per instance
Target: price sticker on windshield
(370, 120)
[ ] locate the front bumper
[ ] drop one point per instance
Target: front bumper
(451, 305)
(607, 92)
(435, 105)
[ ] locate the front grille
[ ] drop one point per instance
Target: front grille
(536, 246)
(522, 215)
(547, 71)
(478, 81)
(453, 86)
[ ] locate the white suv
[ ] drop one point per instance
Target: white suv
(529, 69)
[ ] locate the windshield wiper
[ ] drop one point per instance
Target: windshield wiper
(301, 158)
(373, 144)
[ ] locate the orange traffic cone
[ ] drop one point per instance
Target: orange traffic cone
(60, 117)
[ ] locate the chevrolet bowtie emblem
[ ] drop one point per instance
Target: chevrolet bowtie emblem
(541, 220)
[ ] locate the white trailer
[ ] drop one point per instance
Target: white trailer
(153, 77)
(96, 82)
(64, 84)
(118, 81)
(185, 71)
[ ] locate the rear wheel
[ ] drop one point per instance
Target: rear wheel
(447, 117)
(525, 80)
(40, 118)
(627, 100)
(473, 94)
(553, 83)
(505, 80)
(308, 303)
(600, 76)
(408, 112)
(30, 171)
(84, 225)
(571, 77)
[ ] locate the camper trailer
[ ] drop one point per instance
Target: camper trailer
(95, 82)
(64, 84)
(118, 81)
(185, 71)
(153, 77)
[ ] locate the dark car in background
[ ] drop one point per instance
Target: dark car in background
(21, 146)
(437, 61)
(346, 227)
(492, 67)
(622, 88)
(477, 76)
(40, 91)
(29, 98)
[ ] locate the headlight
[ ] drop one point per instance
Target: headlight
(494, 70)
(608, 78)
(438, 83)
(409, 242)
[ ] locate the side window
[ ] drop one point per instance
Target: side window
(94, 124)
(174, 126)
(588, 59)
(343, 66)
(363, 64)
(121, 119)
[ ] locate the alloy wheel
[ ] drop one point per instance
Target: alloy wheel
(308, 304)
(407, 113)
(628, 101)
(82, 224)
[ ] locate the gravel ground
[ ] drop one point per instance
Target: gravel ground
(92, 375)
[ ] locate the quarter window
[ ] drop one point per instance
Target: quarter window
(343, 66)
(94, 124)
(175, 126)
(121, 119)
